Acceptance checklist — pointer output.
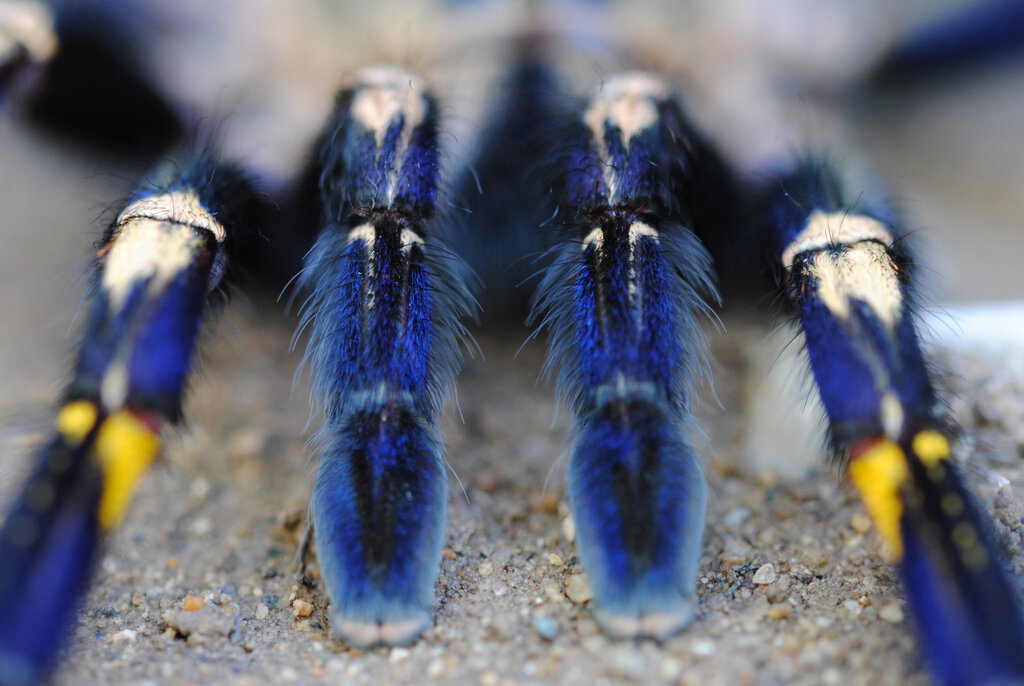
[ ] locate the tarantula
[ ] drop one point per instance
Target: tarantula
(619, 205)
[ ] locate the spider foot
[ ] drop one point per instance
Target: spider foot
(638, 497)
(379, 511)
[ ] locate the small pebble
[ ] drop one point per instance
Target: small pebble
(449, 555)
(194, 602)
(553, 593)
(201, 527)
(891, 612)
(790, 645)
(549, 503)
(736, 551)
(669, 670)
(735, 517)
(503, 625)
(765, 575)
(624, 662)
(262, 611)
(861, 523)
(547, 627)
(126, 635)
(555, 560)
(569, 529)
(302, 608)
(702, 647)
(486, 480)
(577, 587)
(206, 623)
(199, 488)
(485, 569)
(779, 611)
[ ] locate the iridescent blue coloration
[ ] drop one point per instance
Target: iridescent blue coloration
(621, 302)
(154, 334)
(638, 497)
(848, 357)
(48, 544)
(961, 595)
(859, 358)
(958, 589)
(52, 534)
(384, 310)
(379, 503)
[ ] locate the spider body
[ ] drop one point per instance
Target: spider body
(621, 300)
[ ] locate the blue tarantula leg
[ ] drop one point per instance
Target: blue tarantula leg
(384, 311)
(158, 266)
(621, 303)
(848, 275)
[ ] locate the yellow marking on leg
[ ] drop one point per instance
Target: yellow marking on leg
(76, 420)
(931, 446)
(125, 447)
(879, 475)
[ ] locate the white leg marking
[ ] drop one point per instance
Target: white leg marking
(825, 229)
(177, 207)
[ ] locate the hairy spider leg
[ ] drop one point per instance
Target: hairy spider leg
(158, 266)
(847, 273)
(384, 309)
(621, 303)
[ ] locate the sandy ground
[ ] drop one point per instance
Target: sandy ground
(792, 586)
